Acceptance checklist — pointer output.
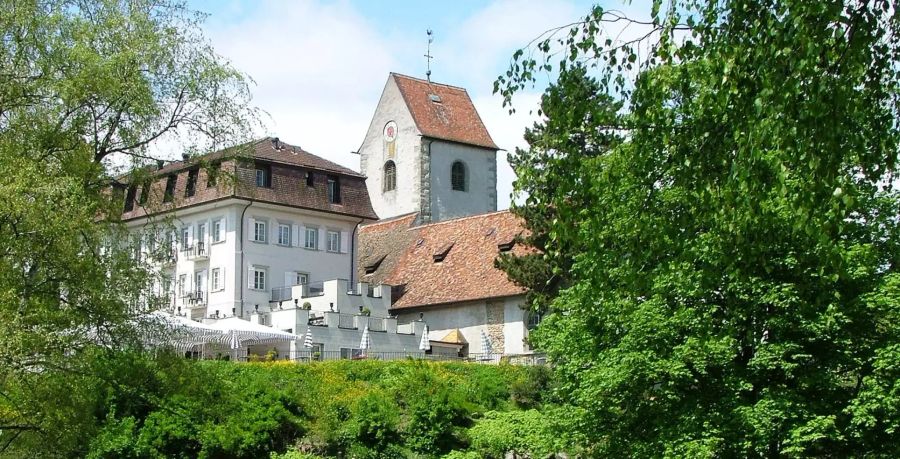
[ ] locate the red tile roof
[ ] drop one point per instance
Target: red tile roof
(288, 167)
(449, 116)
(466, 273)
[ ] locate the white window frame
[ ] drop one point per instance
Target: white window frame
(217, 233)
(257, 233)
(259, 273)
(311, 230)
(287, 236)
(216, 282)
(297, 275)
(185, 238)
(336, 239)
(182, 287)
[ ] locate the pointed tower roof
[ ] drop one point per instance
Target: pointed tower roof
(443, 112)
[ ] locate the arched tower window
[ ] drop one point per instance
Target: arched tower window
(458, 176)
(390, 176)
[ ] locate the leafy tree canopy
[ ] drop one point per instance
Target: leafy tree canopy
(730, 257)
(82, 83)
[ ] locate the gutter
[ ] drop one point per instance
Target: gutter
(353, 248)
(242, 226)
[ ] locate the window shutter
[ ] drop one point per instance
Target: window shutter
(295, 235)
(190, 233)
(222, 278)
(251, 227)
(322, 239)
(302, 236)
(250, 277)
(345, 241)
(288, 278)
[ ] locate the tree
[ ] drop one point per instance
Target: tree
(734, 289)
(84, 86)
(577, 126)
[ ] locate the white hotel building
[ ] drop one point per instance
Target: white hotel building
(249, 225)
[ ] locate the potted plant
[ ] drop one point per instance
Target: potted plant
(307, 305)
(365, 311)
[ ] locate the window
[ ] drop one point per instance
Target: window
(257, 278)
(534, 318)
(458, 176)
(312, 238)
(170, 188)
(301, 278)
(212, 174)
(201, 238)
(198, 284)
(310, 179)
(334, 189)
(129, 198)
(191, 186)
(390, 176)
(218, 230)
(182, 284)
(263, 176)
(334, 241)
(185, 237)
(259, 231)
(284, 234)
(215, 279)
(145, 193)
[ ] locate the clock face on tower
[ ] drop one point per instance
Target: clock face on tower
(390, 131)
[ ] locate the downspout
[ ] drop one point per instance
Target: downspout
(242, 270)
(353, 253)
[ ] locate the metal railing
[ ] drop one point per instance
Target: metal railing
(302, 356)
(195, 251)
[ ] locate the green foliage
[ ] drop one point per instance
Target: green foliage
(87, 85)
(530, 433)
(730, 262)
(132, 405)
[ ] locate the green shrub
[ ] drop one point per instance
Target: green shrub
(524, 432)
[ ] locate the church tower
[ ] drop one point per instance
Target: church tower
(427, 151)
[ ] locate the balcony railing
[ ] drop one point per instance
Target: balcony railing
(347, 321)
(376, 324)
(195, 252)
(194, 298)
(281, 294)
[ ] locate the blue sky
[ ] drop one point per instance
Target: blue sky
(319, 66)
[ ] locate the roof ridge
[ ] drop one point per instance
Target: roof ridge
(459, 219)
(393, 219)
(429, 81)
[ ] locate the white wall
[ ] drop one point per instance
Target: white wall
(277, 259)
(471, 318)
(481, 181)
(373, 155)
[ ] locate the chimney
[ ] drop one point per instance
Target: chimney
(159, 164)
(185, 156)
(276, 143)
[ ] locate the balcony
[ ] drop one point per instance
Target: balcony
(195, 252)
(194, 299)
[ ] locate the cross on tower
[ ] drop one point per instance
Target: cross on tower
(428, 56)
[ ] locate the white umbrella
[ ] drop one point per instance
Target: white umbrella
(485, 345)
(425, 344)
(366, 342)
(308, 341)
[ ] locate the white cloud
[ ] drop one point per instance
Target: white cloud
(319, 68)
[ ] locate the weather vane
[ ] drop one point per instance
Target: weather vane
(428, 56)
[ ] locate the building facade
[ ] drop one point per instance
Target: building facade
(243, 227)
(427, 151)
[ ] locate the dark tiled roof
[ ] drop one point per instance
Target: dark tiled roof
(288, 167)
(466, 273)
(452, 118)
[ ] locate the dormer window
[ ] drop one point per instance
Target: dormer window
(129, 198)
(372, 267)
(191, 186)
(170, 188)
(263, 176)
(334, 189)
(506, 246)
(458, 176)
(441, 254)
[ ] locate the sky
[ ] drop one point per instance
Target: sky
(319, 67)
